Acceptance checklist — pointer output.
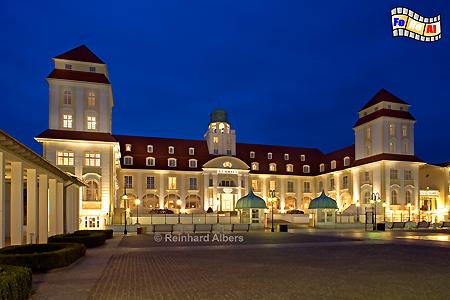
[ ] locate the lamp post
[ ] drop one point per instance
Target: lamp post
(125, 197)
(179, 209)
(384, 212)
(357, 210)
(374, 199)
(272, 201)
(137, 202)
(409, 212)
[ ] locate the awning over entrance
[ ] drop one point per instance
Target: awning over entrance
(251, 201)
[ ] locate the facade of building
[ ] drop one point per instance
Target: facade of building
(194, 175)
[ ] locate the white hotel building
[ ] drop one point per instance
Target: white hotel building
(194, 175)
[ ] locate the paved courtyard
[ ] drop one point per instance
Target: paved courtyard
(300, 265)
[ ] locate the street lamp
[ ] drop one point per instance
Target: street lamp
(384, 212)
(374, 199)
(409, 212)
(179, 209)
(272, 201)
(137, 202)
(125, 197)
(357, 210)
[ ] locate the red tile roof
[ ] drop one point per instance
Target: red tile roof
(81, 53)
(78, 76)
(77, 135)
(401, 114)
(386, 156)
(383, 95)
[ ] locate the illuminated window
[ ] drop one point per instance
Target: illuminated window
(215, 140)
(255, 186)
(67, 121)
(91, 122)
(91, 99)
(252, 154)
(394, 173)
(150, 161)
(149, 149)
(67, 97)
(345, 182)
(91, 191)
(65, 158)
(68, 67)
(306, 187)
(302, 157)
(408, 175)
(92, 69)
(255, 166)
(227, 164)
(128, 181)
(192, 163)
(172, 183)
(272, 167)
(333, 164)
(306, 169)
(172, 162)
(408, 197)
(193, 183)
(366, 198)
(269, 155)
(272, 185)
(289, 168)
(128, 147)
(286, 156)
(150, 182)
(171, 150)
(346, 161)
(191, 151)
(92, 159)
(290, 186)
(394, 200)
(331, 184)
(391, 129)
(322, 167)
(128, 160)
(404, 131)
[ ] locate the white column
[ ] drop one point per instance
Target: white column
(215, 184)
(240, 186)
(264, 188)
(32, 207)
(298, 205)
(282, 194)
(161, 190)
(139, 185)
(59, 208)
(79, 115)
(43, 208)
(16, 203)
(355, 185)
(246, 180)
(183, 191)
(77, 207)
(69, 209)
(52, 207)
(205, 191)
(337, 188)
(416, 189)
(2, 201)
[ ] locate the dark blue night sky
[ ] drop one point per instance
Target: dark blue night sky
(288, 72)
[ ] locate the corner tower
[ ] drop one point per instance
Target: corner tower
(80, 96)
(220, 138)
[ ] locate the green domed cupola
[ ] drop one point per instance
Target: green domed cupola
(219, 115)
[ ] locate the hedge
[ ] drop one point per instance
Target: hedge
(88, 238)
(108, 232)
(15, 282)
(42, 257)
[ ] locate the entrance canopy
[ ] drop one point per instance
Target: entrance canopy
(323, 202)
(251, 201)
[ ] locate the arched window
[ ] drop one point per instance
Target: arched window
(150, 201)
(346, 161)
(128, 160)
(272, 167)
(170, 201)
(289, 203)
(394, 198)
(171, 150)
(252, 154)
(67, 97)
(92, 191)
(306, 169)
(150, 148)
(193, 201)
(269, 155)
(255, 166)
(333, 164)
(150, 161)
(366, 199)
(408, 197)
(172, 162)
(322, 167)
(289, 168)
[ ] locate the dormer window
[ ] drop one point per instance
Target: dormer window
(191, 151)
(128, 160)
(92, 69)
(192, 163)
(68, 67)
(302, 157)
(150, 161)
(172, 162)
(272, 167)
(255, 166)
(346, 161)
(333, 164)
(171, 150)
(289, 168)
(286, 156)
(306, 169)
(128, 147)
(252, 154)
(149, 148)
(322, 167)
(269, 155)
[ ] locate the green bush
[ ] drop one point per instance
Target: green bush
(42, 257)
(88, 238)
(108, 232)
(15, 282)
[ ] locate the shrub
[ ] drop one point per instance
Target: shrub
(42, 257)
(15, 282)
(89, 238)
(108, 232)
(295, 212)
